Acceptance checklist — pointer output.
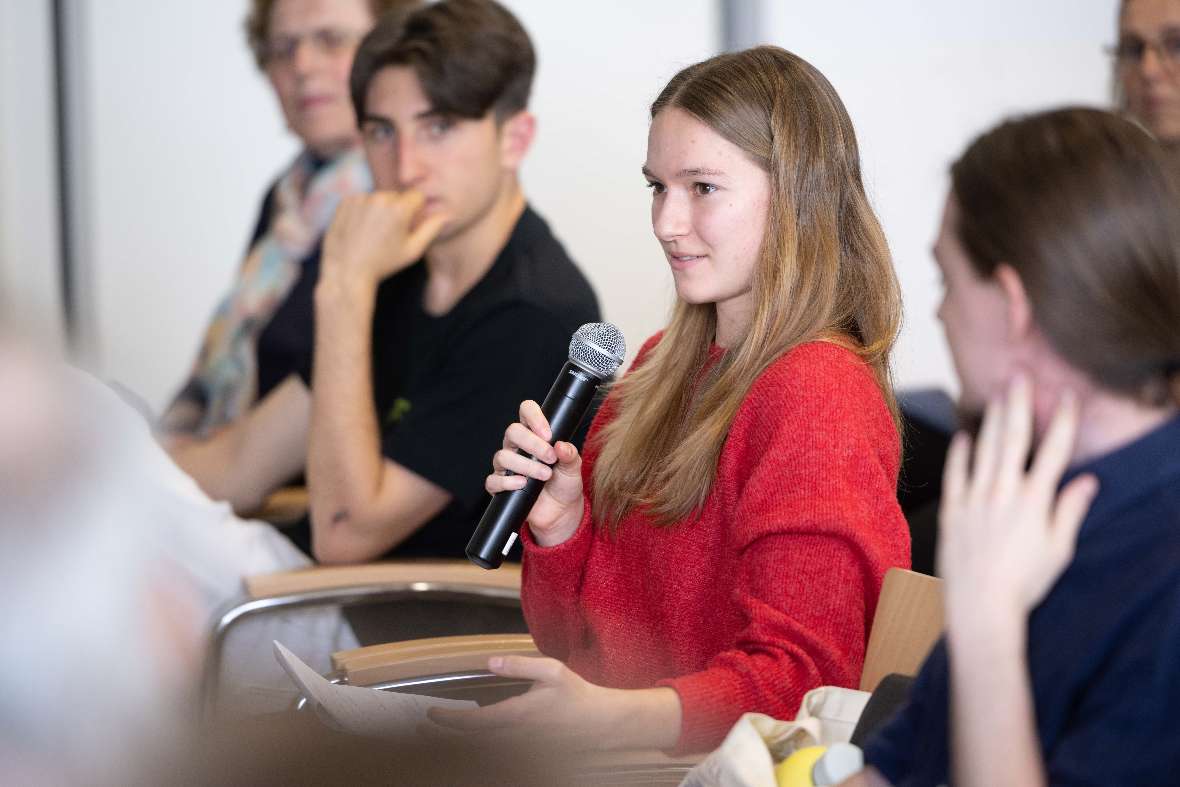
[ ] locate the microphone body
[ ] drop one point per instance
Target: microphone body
(565, 406)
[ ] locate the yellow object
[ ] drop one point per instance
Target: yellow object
(795, 771)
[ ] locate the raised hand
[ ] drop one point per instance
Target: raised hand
(376, 235)
(1006, 535)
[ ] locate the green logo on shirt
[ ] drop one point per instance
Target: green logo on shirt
(397, 410)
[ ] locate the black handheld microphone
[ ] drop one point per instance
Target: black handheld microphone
(596, 352)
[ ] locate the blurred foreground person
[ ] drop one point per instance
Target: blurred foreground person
(113, 563)
(99, 640)
(1060, 252)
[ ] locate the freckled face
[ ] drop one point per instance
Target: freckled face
(708, 211)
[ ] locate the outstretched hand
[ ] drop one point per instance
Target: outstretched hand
(1006, 535)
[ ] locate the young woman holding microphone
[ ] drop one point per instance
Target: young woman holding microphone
(720, 546)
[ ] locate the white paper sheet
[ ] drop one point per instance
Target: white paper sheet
(357, 710)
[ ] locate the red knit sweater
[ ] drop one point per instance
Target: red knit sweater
(771, 592)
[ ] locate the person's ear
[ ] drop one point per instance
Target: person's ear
(1018, 310)
(516, 137)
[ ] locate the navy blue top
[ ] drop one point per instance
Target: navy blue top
(1103, 646)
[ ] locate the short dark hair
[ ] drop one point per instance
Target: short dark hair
(471, 57)
(1085, 206)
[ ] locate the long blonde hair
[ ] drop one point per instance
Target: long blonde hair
(824, 272)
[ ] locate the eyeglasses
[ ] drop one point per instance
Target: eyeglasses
(1130, 51)
(281, 50)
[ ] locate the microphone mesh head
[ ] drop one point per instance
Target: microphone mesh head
(598, 347)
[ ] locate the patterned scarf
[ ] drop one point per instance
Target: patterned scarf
(224, 381)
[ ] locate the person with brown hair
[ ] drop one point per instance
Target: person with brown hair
(393, 410)
(1147, 65)
(721, 547)
(1060, 253)
(262, 328)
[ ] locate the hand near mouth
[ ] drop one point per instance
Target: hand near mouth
(376, 235)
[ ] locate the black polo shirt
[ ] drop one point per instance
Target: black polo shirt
(1103, 646)
(446, 387)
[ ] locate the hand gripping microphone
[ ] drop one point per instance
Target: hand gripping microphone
(596, 352)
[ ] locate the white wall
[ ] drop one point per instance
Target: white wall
(600, 65)
(29, 273)
(920, 78)
(185, 137)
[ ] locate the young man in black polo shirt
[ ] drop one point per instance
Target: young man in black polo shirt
(442, 301)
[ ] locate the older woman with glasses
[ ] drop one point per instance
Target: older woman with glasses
(264, 324)
(1147, 65)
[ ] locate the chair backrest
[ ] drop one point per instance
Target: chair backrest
(412, 576)
(908, 621)
(437, 656)
(451, 581)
